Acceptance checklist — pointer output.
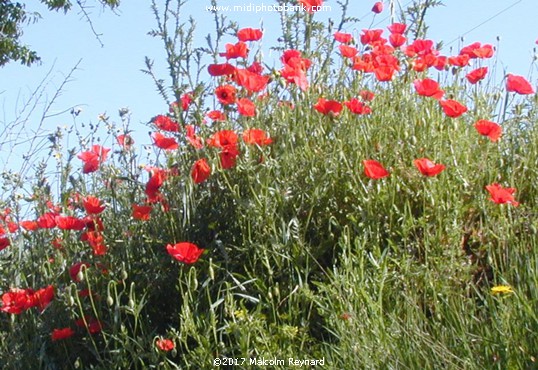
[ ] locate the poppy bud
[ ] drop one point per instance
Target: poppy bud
(109, 300)
(211, 270)
(378, 7)
(276, 291)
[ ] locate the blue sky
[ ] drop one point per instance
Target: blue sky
(109, 77)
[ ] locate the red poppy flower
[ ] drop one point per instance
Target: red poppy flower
(295, 68)
(93, 158)
(60, 334)
(57, 243)
(452, 108)
(226, 94)
(93, 325)
(156, 197)
(256, 68)
(428, 87)
(165, 344)
(93, 223)
(156, 180)
(192, 138)
(344, 38)
(363, 63)
(29, 225)
(374, 170)
(96, 241)
(47, 220)
(501, 195)
(295, 75)
(519, 85)
(92, 205)
(382, 52)
(12, 226)
(141, 213)
(165, 123)
(330, 107)
(290, 54)
(357, 107)
(249, 34)
(4, 242)
(200, 171)
(486, 51)
(83, 293)
(228, 156)
(185, 101)
(440, 62)
(397, 39)
(420, 64)
(4, 215)
(42, 297)
(163, 142)
(347, 51)
(366, 95)
(185, 252)
(75, 269)
(216, 115)
(489, 129)
(384, 73)
(91, 161)
(251, 81)
(368, 37)
(233, 51)
(420, 48)
(477, 50)
(222, 138)
(477, 74)
(17, 300)
(427, 167)
(378, 7)
(311, 5)
(459, 61)
(246, 107)
(70, 223)
(256, 136)
(294, 59)
(397, 28)
(126, 141)
(224, 69)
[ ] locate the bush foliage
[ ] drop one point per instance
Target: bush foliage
(310, 249)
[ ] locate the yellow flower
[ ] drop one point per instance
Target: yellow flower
(501, 289)
(240, 314)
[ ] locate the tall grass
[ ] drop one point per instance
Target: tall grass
(306, 257)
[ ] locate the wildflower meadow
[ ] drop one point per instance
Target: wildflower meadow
(366, 200)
